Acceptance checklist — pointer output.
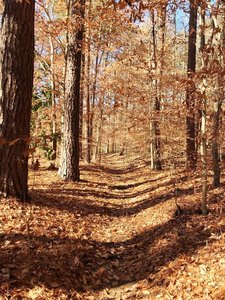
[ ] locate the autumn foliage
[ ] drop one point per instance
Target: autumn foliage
(112, 138)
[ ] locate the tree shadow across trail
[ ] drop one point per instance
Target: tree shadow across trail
(90, 265)
(114, 200)
(109, 170)
(59, 256)
(85, 205)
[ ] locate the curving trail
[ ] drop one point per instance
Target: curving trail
(111, 236)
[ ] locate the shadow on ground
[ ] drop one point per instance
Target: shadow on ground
(82, 202)
(90, 197)
(91, 265)
(28, 260)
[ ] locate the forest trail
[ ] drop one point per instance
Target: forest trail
(112, 236)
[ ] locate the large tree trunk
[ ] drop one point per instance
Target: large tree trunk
(190, 97)
(16, 80)
(69, 168)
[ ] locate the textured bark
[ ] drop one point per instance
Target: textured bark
(69, 168)
(190, 98)
(82, 101)
(218, 105)
(16, 80)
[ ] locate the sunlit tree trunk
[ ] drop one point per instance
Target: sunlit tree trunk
(218, 105)
(203, 119)
(16, 84)
(69, 168)
(191, 152)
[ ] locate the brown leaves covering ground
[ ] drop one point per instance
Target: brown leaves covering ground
(112, 236)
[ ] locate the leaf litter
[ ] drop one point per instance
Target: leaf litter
(112, 236)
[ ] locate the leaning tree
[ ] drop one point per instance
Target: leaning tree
(16, 84)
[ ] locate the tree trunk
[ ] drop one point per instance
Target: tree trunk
(97, 154)
(52, 59)
(218, 107)
(215, 142)
(16, 79)
(89, 129)
(190, 97)
(69, 168)
(98, 60)
(50, 14)
(203, 121)
(154, 126)
(82, 101)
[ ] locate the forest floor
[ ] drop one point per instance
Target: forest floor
(114, 235)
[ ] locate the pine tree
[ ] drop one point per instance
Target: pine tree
(69, 168)
(16, 84)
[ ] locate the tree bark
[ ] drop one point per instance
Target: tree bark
(54, 138)
(203, 120)
(16, 85)
(88, 128)
(215, 141)
(190, 97)
(154, 126)
(98, 60)
(97, 154)
(69, 168)
(82, 100)
(218, 106)
(49, 10)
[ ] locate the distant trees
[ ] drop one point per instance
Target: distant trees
(16, 84)
(141, 89)
(50, 44)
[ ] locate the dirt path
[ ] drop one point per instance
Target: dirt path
(111, 236)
